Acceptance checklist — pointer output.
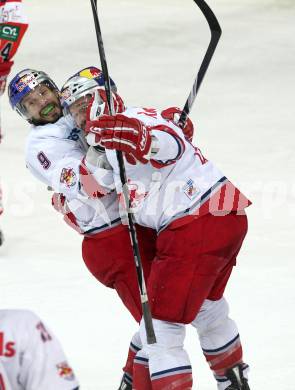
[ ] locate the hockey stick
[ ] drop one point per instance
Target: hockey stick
(215, 35)
(151, 338)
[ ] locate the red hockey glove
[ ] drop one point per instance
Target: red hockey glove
(5, 68)
(98, 105)
(173, 114)
(119, 132)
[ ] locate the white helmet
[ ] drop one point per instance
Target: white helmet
(82, 83)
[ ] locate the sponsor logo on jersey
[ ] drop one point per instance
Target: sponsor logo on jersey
(65, 371)
(8, 32)
(68, 177)
(7, 349)
(190, 189)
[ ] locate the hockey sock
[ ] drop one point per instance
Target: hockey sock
(141, 373)
(134, 347)
(224, 357)
(169, 364)
(181, 381)
(219, 339)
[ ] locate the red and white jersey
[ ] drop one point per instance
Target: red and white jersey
(31, 356)
(54, 155)
(13, 23)
(168, 190)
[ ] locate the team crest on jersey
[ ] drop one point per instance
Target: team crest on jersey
(68, 177)
(65, 371)
(190, 189)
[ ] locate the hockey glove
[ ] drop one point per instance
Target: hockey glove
(120, 132)
(173, 114)
(98, 105)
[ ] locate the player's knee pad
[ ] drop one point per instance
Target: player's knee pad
(168, 352)
(168, 334)
(211, 315)
(136, 340)
(219, 337)
(215, 329)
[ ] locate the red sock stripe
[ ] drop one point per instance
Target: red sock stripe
(128, 368)
(177, 382)
(141, 376)
(219, 363)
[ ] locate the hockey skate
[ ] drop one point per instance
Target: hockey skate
(238, 381)
(124, 385)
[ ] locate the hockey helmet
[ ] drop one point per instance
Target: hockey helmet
(81, 84)
(23, 83)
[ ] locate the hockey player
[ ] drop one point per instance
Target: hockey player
(31, 357)
(201, 223)
(54, 154)
(13, 25)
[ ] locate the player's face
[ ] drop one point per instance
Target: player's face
(42, 105)
(78, 111)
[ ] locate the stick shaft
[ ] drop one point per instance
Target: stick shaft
(215, 36)
(151, 338)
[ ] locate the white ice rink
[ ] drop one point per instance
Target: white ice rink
(245, 123)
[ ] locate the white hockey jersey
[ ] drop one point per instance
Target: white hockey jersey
(168, 190)
(30, 355)
(54, 153)
(4, 381)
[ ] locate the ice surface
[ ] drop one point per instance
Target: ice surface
(245, 123)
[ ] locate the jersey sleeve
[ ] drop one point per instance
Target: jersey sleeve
(60, 164)
(44, 364)
(56, 163)
(13, 25)
(168, 143)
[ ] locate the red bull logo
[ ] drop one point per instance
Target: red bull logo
(90, 73)
(24, 82)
